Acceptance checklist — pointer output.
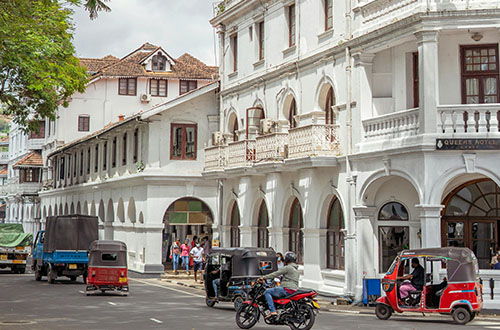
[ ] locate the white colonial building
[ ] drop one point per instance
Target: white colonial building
(350, 130)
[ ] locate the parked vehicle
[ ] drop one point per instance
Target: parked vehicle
(297, 310)
(107, 267)
(15, 247)
(61, 249)
(237, 269)
(459, 296)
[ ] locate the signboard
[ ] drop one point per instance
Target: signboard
(467, 144)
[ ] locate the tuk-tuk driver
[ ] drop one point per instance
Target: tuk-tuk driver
(417, 278)
(289, 282)
(225, 267)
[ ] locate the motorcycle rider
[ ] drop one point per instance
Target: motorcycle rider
(289, 282)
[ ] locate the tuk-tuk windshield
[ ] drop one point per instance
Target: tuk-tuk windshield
(109, 256)
(393, 266)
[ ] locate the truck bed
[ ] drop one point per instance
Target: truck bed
(73, 257)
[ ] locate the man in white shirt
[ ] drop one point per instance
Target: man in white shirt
(198, 256)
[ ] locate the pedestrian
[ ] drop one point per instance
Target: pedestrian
(193, 244)
(280, 262)
(495, 260)
(198, 256)
(185, 248)
(207, 246)
(175, 255)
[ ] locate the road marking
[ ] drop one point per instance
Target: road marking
(168, 287)
(111, 303)
(81, 291)
(155, 320)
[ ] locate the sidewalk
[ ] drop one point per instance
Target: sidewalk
(326, 303)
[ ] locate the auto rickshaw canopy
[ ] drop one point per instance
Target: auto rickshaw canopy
(461, 263)
(105, 253)
(246, 261)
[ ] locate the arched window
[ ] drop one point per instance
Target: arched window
(263, 223)
(472, 219)
(335, 236)
(235, 226)
(296, 237)
(159, 62)
(292, 113)
(330, 102)
(393, 234)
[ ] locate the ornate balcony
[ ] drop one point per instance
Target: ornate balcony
(313, 140)
(271, 147)
(241, 153)
(393, 125)
(469, 119)
(215, 158)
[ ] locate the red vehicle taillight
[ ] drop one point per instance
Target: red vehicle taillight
(122, 274)
(93, 273)
(387, 286)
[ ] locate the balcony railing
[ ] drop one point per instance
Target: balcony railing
(313, 140)
(35, 144)
(215, 158)
(4, 157)
(241, 153)
(393, 125)
(271, 147)
(469, 119)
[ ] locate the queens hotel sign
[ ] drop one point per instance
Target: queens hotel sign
(467, 144)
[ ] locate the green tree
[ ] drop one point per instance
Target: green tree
(38, 67)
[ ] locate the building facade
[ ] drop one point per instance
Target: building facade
(350, 130)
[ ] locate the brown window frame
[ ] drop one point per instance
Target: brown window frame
(335, 238)
(88, 161)
(188, 86)
(29, 175)
(157, 83)
(156, 62)
(296, 234)
(105, 156)
(292, 32)
(292, 113)
(261, 39)
(235, 229)
(183, 141)
(415, 80)
(75, 164)
(81, 163)
(127, 92)
(114, 152)
(41, 131)
(328, 8)
(480, 75)
(83, 123)
(136, 145)
(124, 149)
(96, 160)
(262, 231)
(329, 103)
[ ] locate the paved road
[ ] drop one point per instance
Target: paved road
(152, 304)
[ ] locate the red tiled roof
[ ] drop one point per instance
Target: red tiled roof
(33, 159)
(3, 170)
(4, 139)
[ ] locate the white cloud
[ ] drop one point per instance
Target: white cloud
(179, 26)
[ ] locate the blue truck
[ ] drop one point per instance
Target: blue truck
(62, 248)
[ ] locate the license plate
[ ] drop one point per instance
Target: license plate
(72, 266)
(122, 280)
(315, 304)
(3, 257)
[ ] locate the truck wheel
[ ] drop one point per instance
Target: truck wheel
(21, 270)
(51, 276)
(383, 311)
(461, 315)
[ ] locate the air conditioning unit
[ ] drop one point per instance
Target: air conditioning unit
(145, 98)
(266, 126)
(217, 138)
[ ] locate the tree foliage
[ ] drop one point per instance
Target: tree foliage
(38, 67)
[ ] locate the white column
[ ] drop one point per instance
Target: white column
(430, 221)
(367, 250)
(428, 79)
(364, 63)
(248, 236)
(314, 257)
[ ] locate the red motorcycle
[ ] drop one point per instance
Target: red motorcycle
(297, 310)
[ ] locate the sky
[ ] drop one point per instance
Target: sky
(179, 26)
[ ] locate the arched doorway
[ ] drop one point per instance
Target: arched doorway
(186, 218)
(335, 236)
(292, 112)
(329, 103)
(394, 234)
(233, 126)
(471, 218)
(262, 224)
(295, 236)
(235, 225)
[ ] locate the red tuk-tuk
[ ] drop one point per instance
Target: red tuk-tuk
(460, 294)
(107, 270)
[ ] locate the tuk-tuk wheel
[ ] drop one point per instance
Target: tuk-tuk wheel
(209, 302)
(238, 300)
(473, 315)
(383, 311)
(461, 315)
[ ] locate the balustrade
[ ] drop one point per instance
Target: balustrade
(271, 147)
(392, 125)
(215, 158)
(240, 153)
(313, 140)
(473, 119)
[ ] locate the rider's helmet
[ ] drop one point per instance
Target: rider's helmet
(290, 257)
